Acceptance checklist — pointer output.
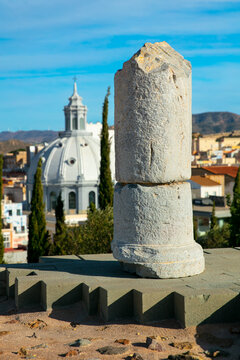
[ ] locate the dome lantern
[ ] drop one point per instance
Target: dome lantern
(75, 112)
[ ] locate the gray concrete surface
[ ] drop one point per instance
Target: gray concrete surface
(109, 292)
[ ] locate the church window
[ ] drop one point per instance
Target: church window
(67, 122)
(53, 200)
(72, 200)
(75, 121)
(92, 198)
(82, 124)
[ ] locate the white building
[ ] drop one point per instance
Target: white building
(70, 164)
(12, 214)
(203, 187)
(15, 230)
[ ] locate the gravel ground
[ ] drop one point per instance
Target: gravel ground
(48, 335)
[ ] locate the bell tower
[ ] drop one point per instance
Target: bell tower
(75, 112)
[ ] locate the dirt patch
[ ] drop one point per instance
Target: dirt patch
(50, 335)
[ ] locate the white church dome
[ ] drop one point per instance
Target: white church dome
(71, 163)
(69, 159)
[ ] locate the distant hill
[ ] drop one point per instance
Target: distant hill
(215, 122)
(31, 136)
(12, 144)
(205, 123)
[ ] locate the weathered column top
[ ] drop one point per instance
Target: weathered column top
(153, 118)
(153, 56)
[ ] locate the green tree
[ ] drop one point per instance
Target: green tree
(59, 214)
(1, 235)
(213, 221)
(95, 236)
(38, 237)
(228, 200)
(106, 184)
(60, 244)
(235, 213)
(216, 237)
(92, 207)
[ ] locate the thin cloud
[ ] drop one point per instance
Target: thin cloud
(213, 52)
(44, 43)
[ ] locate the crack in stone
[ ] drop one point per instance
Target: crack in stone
(152, 154)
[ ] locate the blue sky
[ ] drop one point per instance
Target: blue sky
(44, 44)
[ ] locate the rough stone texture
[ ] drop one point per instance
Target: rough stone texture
(112, 350)
(153, 344)
(153, 120)
(80, 342)
(153, 231)
(153, 225)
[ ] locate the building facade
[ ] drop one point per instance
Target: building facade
(203, 187)
(15, 231)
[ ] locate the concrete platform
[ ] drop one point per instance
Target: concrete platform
(109, 292)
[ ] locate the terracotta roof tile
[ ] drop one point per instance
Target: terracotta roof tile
(223, 170)
(204, 180)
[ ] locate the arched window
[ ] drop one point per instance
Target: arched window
(53, 200)
(72, 200)
(75, 121)
(82, 124)
(92, 198)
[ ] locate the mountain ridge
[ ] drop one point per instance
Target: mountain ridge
(204, 123)
(215, 122)
(29, 136)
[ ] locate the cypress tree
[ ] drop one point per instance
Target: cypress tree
(38, 237)
(1, 235)
(228, 200)
(59, 214)
(60, 243)
(235, 212)
(214, 221)
(92, 207)
(106, 184)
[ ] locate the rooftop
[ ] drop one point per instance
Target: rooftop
(223, 170)
(204, 180)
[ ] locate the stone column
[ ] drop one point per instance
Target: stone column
(153, 224)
